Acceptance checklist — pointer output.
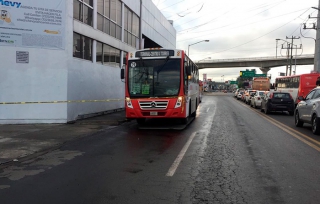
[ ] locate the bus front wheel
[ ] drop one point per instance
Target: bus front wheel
(141, 121)
(185, 120)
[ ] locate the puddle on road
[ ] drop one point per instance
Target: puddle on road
(4, 186)
(38, 165)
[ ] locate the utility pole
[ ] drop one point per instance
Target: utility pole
(289, 52)
(290, 47)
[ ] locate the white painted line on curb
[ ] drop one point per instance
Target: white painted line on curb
(176, 162)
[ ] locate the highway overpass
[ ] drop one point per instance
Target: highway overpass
(264, 63)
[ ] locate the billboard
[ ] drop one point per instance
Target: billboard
(36, 23)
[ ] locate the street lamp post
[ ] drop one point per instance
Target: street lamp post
(196, 43)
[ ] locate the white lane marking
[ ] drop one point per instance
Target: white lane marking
(176, 162)
(208, 110)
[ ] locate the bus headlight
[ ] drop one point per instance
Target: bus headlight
(128, 101)
(179, 102)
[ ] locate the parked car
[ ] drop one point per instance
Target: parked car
(243, 97)
(248, 96)
(257, 98)
(277, 101)
(236, 92)
(308, 110)
(239, 96)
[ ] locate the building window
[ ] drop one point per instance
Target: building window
(109, 17)
(124, 57)
(100, 19)
(77, 10)
(99, 55)
(131, 27)
(82, 47)
(108, 55)
(83, 11)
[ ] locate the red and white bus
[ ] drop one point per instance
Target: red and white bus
(297, 85)
(160, 83)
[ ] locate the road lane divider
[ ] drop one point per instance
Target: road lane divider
(67, 101)
(287, 129)
(177, 161)
(298, 135)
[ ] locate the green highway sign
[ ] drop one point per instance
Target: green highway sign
(251, 74)
(247, 73)
(260, 75)
(233, 82)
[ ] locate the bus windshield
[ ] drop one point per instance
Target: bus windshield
(154, 77)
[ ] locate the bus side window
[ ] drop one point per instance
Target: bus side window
(296, 82)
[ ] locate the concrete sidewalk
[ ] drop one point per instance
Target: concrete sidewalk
(19, 142)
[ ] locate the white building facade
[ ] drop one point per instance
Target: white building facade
(60, 60)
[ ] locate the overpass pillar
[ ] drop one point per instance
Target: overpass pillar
(265, 70)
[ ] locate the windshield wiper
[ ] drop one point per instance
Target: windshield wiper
(167, 59)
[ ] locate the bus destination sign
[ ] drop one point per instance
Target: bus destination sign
(155, 53)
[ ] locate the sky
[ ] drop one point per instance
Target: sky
(242, 29)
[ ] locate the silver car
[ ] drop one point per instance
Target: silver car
(257, 98)
(308, 110)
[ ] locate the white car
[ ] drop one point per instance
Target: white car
(239, 95)
(237, 92)
(256, 99)
(248, 96)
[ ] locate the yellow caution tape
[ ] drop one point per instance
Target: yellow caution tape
(51, 31)
(70, 101)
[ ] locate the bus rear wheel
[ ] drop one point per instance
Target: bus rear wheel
(195, 111)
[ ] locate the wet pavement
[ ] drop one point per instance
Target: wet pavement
(22, 141)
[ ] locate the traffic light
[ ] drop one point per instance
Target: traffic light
(240, 73)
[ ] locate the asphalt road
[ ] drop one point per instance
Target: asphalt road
(230, 153)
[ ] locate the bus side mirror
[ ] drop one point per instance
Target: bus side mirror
(188, 70)
(122, 71)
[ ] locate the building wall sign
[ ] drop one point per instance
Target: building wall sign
(36, 23)
(22, 57)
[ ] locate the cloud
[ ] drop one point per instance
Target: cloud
(241, 29)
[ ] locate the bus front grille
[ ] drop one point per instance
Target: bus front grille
(155, 105)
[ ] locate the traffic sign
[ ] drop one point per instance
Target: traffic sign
(233, 82)
(251, 74)
(260, 75)
(247, 73)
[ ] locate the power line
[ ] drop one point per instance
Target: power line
(254, 39)
(244, 24)
(172, 5)
(219, 17)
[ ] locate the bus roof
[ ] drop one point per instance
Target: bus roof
(156, 52)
